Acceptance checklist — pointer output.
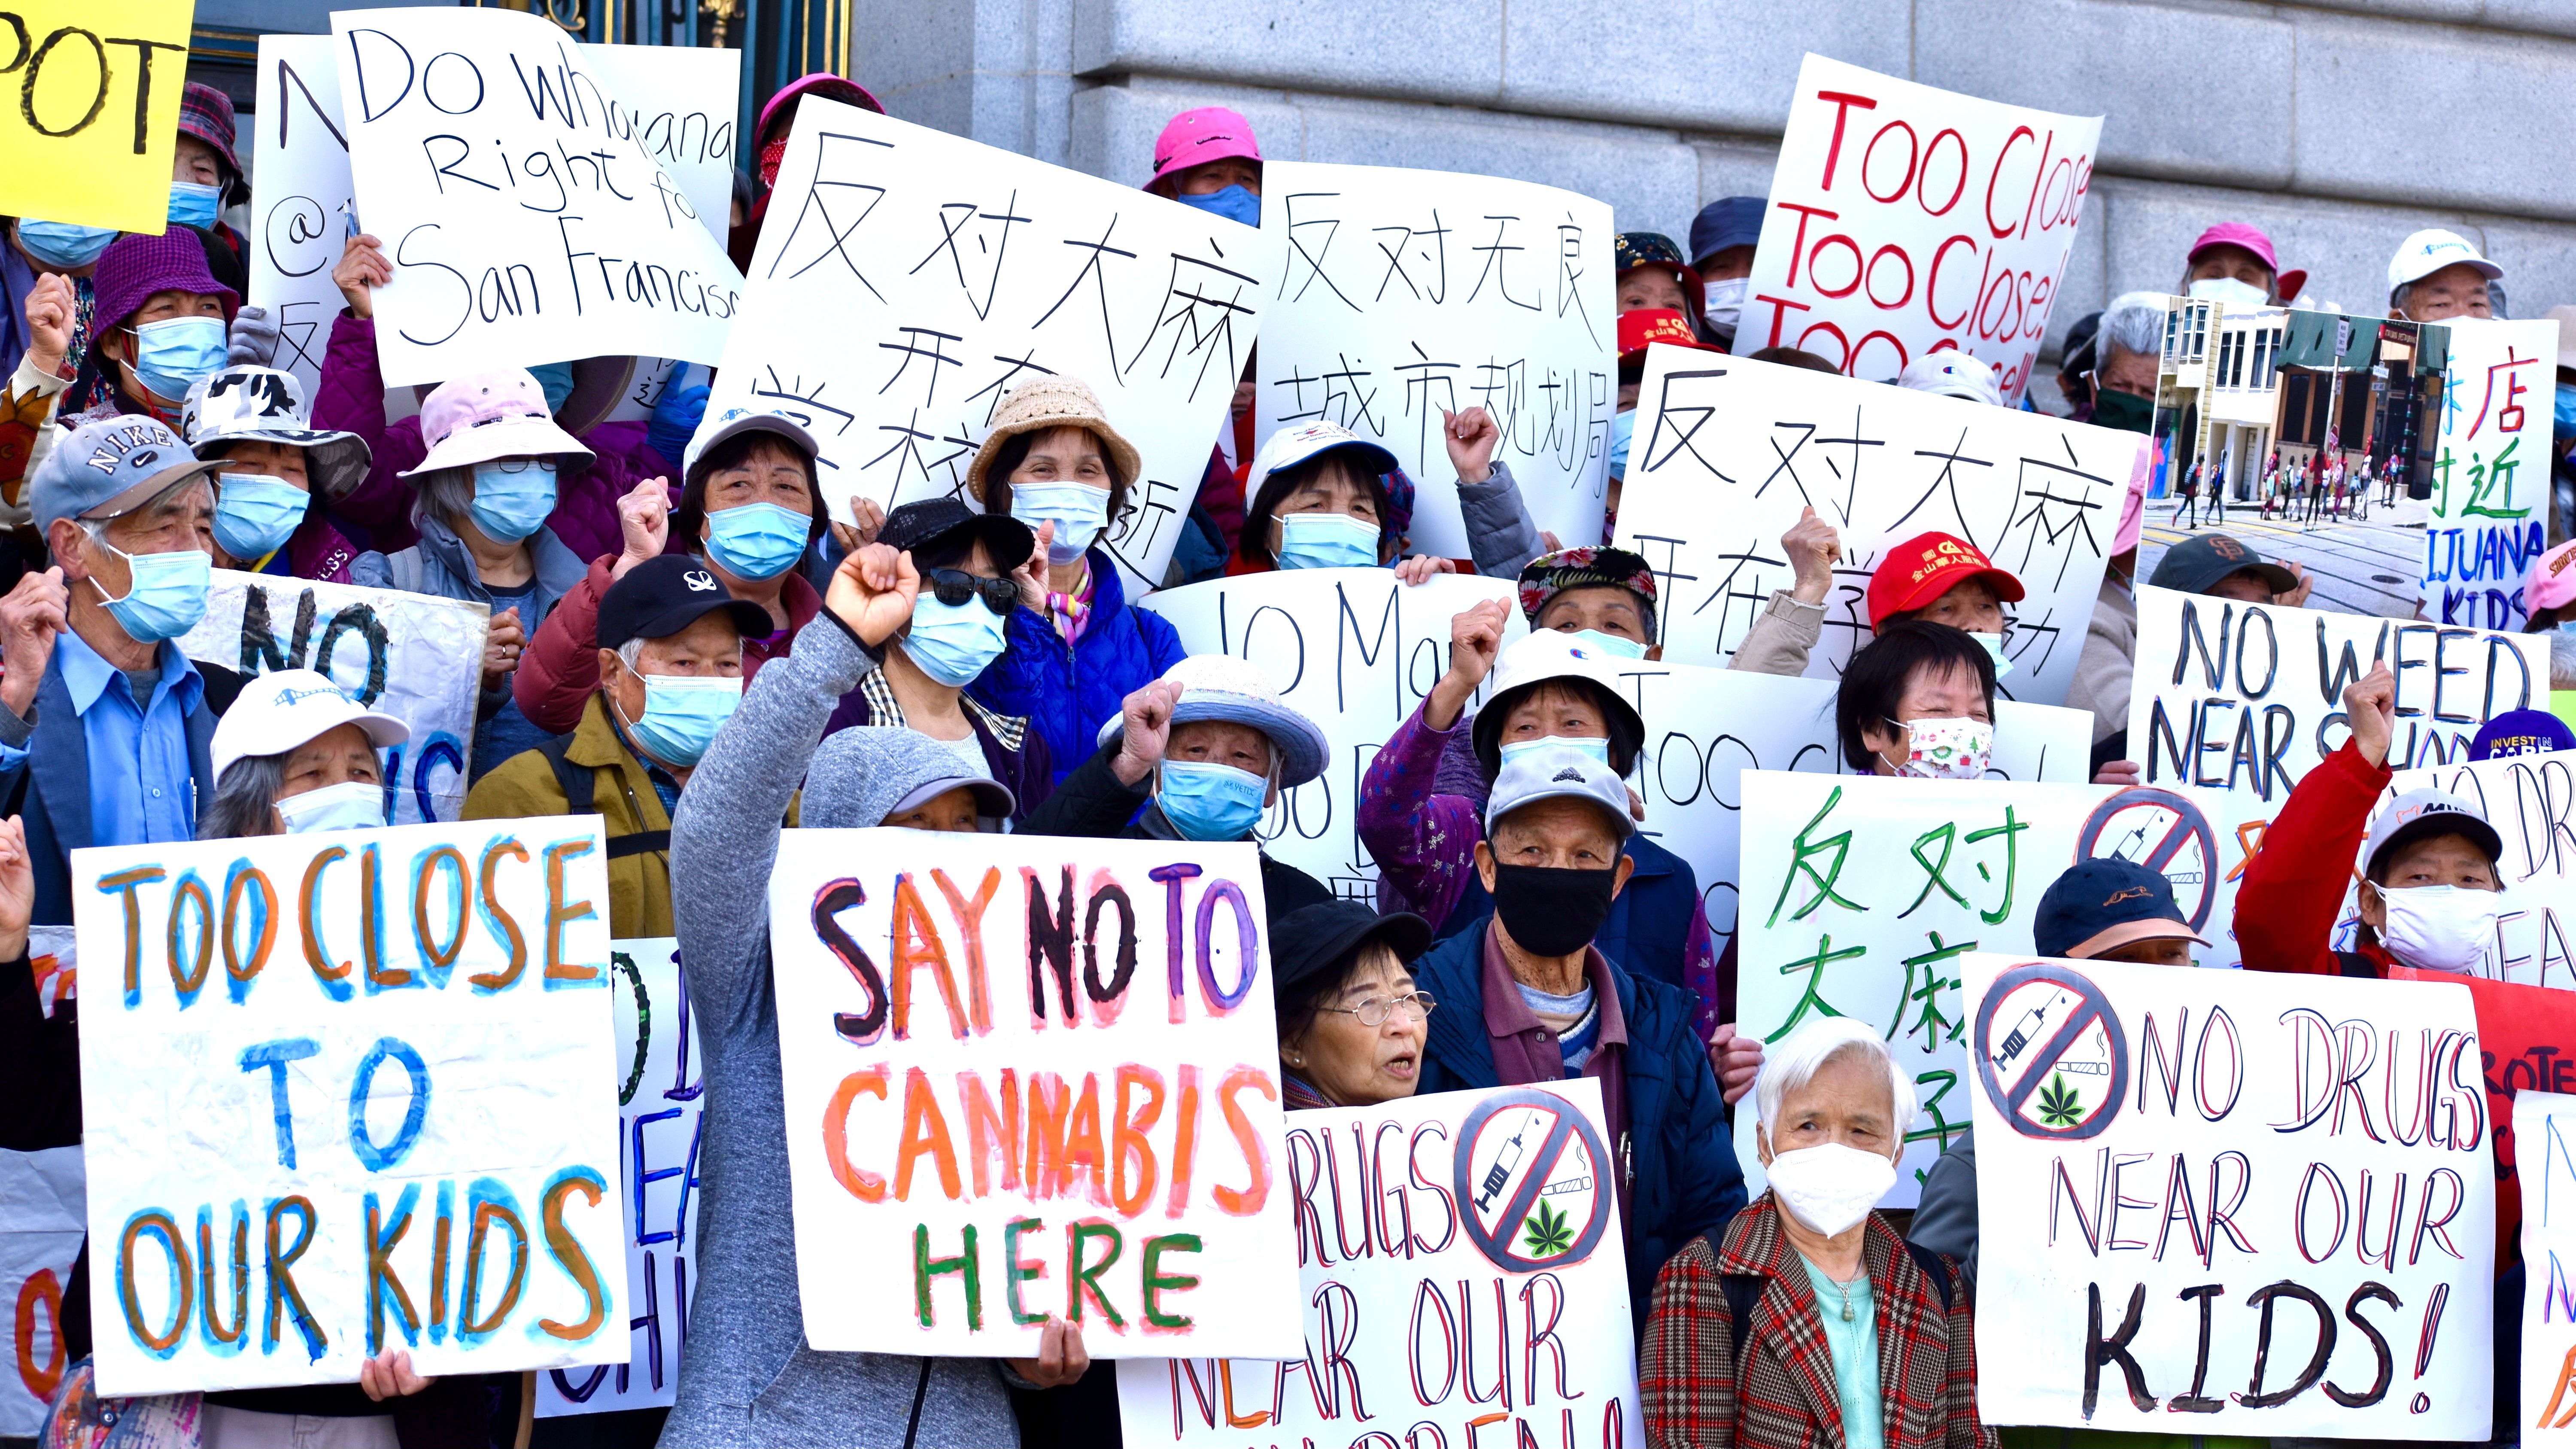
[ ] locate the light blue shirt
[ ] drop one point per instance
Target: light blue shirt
(1854, 1344)
(141, 789)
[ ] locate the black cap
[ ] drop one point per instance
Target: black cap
(917, 526)
(1312, 946)
(2194, 564)
(662, 596)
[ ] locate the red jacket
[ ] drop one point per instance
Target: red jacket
(2294, 886)
(560, 670)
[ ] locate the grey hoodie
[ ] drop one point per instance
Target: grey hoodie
(748, 1377)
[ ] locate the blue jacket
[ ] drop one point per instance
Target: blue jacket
(1068, 692)
(1680, 1174)
(1648, 932)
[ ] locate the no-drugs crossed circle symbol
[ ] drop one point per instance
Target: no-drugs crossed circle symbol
(2165, 833)
(1532, 1181)
(2051, 1053)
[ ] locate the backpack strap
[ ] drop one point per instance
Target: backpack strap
(1936, 1268)
(580, 787)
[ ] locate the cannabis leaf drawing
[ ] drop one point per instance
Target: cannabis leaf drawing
(2058, 1104)
(1547, 1232)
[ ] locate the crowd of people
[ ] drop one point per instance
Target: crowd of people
(687, 643)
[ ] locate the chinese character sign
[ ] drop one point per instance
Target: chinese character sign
(94, 110)
(1403, 294)
(2491, 472)
(306, 207)
(1906, 219)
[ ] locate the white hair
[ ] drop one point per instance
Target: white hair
(1789, 1065)
(2135, 322)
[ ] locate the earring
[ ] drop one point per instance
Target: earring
(1296, 1060)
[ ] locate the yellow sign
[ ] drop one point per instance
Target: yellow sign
(89, 109)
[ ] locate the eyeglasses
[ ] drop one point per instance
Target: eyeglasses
(1375, 1010)
(955, 586)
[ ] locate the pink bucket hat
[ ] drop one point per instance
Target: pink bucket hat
(2133, 507)
(2238, 234)
(2553, 580)
(486, 415)
(1195, 138)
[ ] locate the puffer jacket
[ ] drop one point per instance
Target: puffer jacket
(1068, 692)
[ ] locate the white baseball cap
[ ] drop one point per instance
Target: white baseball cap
(1952, 373)
(1554, 774)
(1289, 447)
(2429, 251)
(277, 712)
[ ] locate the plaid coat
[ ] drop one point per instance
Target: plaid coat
(1693, 1392)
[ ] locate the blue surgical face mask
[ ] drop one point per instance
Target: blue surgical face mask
(953, 642)
(556, 380)
(1598, 749)
(513, 497)
(1612, 644)
(1622, 428)
(682, 714)
(255, 514)
(1207, 801)
(195, 204)
(1233, 203)
(2563, 415)
(175, 355)
(1078, 510)
(349, 805)
(1326, 541)
(757, 540)
(168, 595)
(1994, 645)
(64, 244)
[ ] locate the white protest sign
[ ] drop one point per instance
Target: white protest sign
(2308, 1247)
(2528, 799)
(1729, 451)
(300, 153)
(524, 217)
(905, 239)
(1026, 1077)
(41, 1224)
(644, 389)
(1906, 219)
(1402, 293)
(398, 1078)
(2250, 696)
(2491, 472)
(1861, 894)
(415, 657)
(1482, 1217)
(680, 101)
(2544, 1124)
(660, 1096)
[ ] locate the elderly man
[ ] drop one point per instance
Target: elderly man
(2437, 275)
(1529, 999)
(2129, 349)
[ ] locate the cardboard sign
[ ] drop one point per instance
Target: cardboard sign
(2491, 474)
(1030, 1077)
(2249, 697)
(951, 272)
(660, 1096)
(1403, 293)
(2547, 1121)
(1429, 1230)
(2229, 1197)
(526, 219)
(415, 657)
(1906, 219)
(41, 1225)
(306, 203)
(1729, 451)
(90, 132)
(349, 1092)
(1861, 894)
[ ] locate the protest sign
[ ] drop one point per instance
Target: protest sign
(2491, 471)
(307, 203)
(2312, 1215)
(416, 1115)
(2250, 696)
(97, 114)
(41, 1221)
(1045, 1139)
(1705, 505)
(2527, 1035)
(1484, 1218)
(680, 102)
(903, 237)
(1906, 219)
(2547, 1120)
(1862, 893)
(524, 216)
(2528, 799)
(416, 657)
(1404, 293)
(658, 1104)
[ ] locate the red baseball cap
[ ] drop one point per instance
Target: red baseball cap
(1925, 567)
(1643, 328)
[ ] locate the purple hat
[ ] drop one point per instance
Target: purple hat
(207, 114)
(2238, 234)
(1195, 138)
(135, 266)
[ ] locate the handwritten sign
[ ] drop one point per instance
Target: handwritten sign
(302, 213)
(384, 1118)
(1728, 451)
(1402, 293)
(2227, 1202)
(2250, 696)
(1428, 1231)
(1906, 219)
(2547, 1121)
(680, 101)
(1029, 1077)
(40, 1237)
(659, 1100)
(415, 657)
(2528, 798)
(952, 272)
(90, 130)
(526, 219)
(2491, 471)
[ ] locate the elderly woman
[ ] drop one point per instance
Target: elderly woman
(279, 475)
(1351, 1018)
(297, 754)
(1809, 1281)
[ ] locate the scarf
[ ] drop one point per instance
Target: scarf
(1071, 613)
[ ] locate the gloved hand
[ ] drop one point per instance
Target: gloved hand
(254, 338)
(675, 420)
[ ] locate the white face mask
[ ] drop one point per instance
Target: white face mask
(1830, 1188)
(2440, 928)
(349, 805)
(1726, 302)
(1947, 749)
(2231, 292)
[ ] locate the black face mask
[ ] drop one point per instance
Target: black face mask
(2126, 411)
(1552, 912)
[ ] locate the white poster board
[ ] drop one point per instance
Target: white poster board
(948, 273)
(680, 101)
(302, 213)
(41, 1225)
(373, 1070)
(1728, 452)
(1402, 293)
(416, 657)
(1028, 1076)
(2526, 798)
(1473, 1209)
(1906, 219)
(2544, 1126)
(2229, 1197)
(2491, 472)
(524, 217)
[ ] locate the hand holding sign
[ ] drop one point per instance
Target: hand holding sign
(1060, 1360)
(390, 1376)
(2370, 707)
(1475, 638)
(362, 269)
